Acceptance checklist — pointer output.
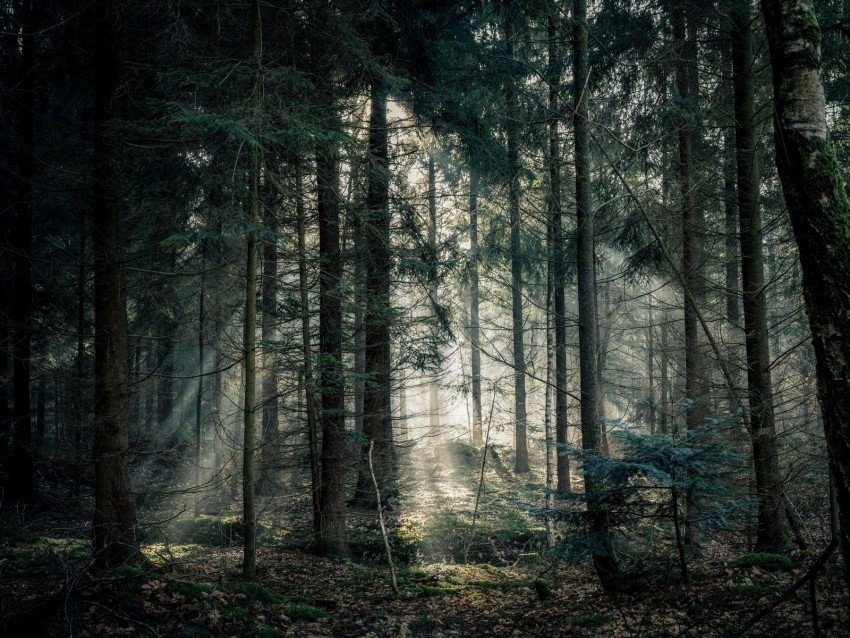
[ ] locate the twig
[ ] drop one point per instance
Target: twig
(480, 481)
(381, 519)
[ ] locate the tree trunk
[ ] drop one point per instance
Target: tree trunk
(512, 135)
(559, 262)
(331, 537)
(249, 338)
(820, 216)
(694, 388)
(771, 530)
(474, 327)
(21, 471)
(433, 288)
(115, 515)
(377, 414)
(604, 559)
(307, 349)
(199, 395)
(271, 418)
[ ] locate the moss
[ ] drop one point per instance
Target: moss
(437, 591)
(764, 560)
(542, 588)
(303, 611)
(264, 631)
(811, 29)
(190, 589)
(256, 593)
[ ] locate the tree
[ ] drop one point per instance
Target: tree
(115, 515)
(513, 168)
(604, 560)
(249, 338)
(761, 418)
(820, 217)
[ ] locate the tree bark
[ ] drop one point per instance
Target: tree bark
(21, 470)
(271, 413)
(433, 288)
(559, 262)
(604, 559)
(512, 135)
(331, 536)
(249, 338)
(820, 216)
(307, 349)
(377, 414)
(474, 326)
(115, 515)
(694, 387)
(771, 530)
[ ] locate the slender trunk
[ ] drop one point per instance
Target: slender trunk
(603, 333)
(199, 396)
(271, 411)
(604, 559)
(115, 515)
(771, 530)
(559, 262)
(377, 416)
(433, 289)
(817, 202)
(307, 346)
(512, 135)
(694, 389)
(249, 338)
(663, 425)
(21, 479)
(40, 409)
(650, 369)
(474, 328)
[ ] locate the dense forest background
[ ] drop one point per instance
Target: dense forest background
(411, 317)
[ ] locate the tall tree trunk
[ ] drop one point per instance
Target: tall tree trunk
(271, 418)
(604, 559)
(377, 413)
(199, 396)
(249, 338)
(307, 348)
(331, 537)
(474, 326)
(820, 216)
(650, 368)
(433, 287)
(21, 479)
(512, 135)
(771, 529)
(694, 387)
(559, 261)
(115, 515)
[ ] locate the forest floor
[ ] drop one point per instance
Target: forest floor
(509, 586)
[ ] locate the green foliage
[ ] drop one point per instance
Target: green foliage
(192, 590)
(303, 611)
(764, 560)
(210, 531)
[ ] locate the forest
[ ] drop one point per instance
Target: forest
(425, 318)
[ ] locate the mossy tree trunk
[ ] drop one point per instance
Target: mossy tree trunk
(820, 216)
